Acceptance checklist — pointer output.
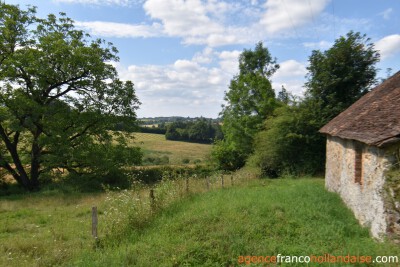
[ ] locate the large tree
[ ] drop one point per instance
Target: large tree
(342, 74)
(59, 95)
(249, 101)
(337, 78)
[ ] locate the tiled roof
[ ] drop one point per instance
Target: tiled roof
(374, 119)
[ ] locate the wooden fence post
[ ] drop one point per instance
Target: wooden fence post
(222, 181)
(187, 184)
(94, 222)
(208, 183)
(152, 200)
(231, 180)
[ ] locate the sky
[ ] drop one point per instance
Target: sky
(182, 54)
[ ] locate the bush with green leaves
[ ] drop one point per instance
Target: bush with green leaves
(290, 144)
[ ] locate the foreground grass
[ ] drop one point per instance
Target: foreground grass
(155, 145)
(45, 228)
(266, 217)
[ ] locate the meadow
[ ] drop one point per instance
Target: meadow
(178, 153)
(199, 227)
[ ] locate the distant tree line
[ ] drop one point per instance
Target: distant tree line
(200, 131)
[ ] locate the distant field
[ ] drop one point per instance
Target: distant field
(155, 145)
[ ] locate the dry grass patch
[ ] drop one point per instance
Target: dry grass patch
(177, 151)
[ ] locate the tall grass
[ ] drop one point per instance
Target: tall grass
(129, 211)
(265, 217)
(53, 228)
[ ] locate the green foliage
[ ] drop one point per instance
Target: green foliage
(342, 74)
(185, 161)
(227, 157)
(250, 100)
(290, 143)
(154, 160)
(156, 174)
(200, 131)
(59, 96)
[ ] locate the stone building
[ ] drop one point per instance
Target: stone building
(363, 146)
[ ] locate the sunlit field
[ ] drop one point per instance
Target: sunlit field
(155, 145)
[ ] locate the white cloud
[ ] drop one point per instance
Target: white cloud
(112, 29)
(291, 75)
(322, 45)
(179, 17)
(201, 22)
(192, 86)
(386, 14)
(388, 46)
(212, 23)
(101, 2)
(289, 69)
(185, 84)
(204, 57)
(229, 61)
(282, 15)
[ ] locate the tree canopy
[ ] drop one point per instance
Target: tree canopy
(59, 94)
(337, 78)
(249, 101)
(342, 74)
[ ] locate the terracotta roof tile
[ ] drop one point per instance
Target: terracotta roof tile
(374, 119)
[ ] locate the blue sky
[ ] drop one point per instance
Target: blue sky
(181, 54)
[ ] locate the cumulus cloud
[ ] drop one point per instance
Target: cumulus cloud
(282, 15)
(388, 46)
(181, 17)
(196, 21)
(291, 75)
(210, 22)
(193, 86)
(112, 29)
(229, 61)
(101, 2)
(185, 84)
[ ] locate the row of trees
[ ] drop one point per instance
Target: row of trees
(200, 131)
(279, 134)
(59, 95)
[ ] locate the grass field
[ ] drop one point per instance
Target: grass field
(45, 229)
(261, 217)
(267, 217)
(155, 145)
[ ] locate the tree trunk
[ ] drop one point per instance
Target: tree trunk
(35, 161)
(19, 172)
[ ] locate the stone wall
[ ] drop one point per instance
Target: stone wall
(366, 199)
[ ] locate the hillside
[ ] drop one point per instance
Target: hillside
(266, 217)
(156, 146)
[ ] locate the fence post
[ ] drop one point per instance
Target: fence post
(152, 200)
(94, 222)
(222, 181)
(231, 180)
(208, 183)
(187, 184)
